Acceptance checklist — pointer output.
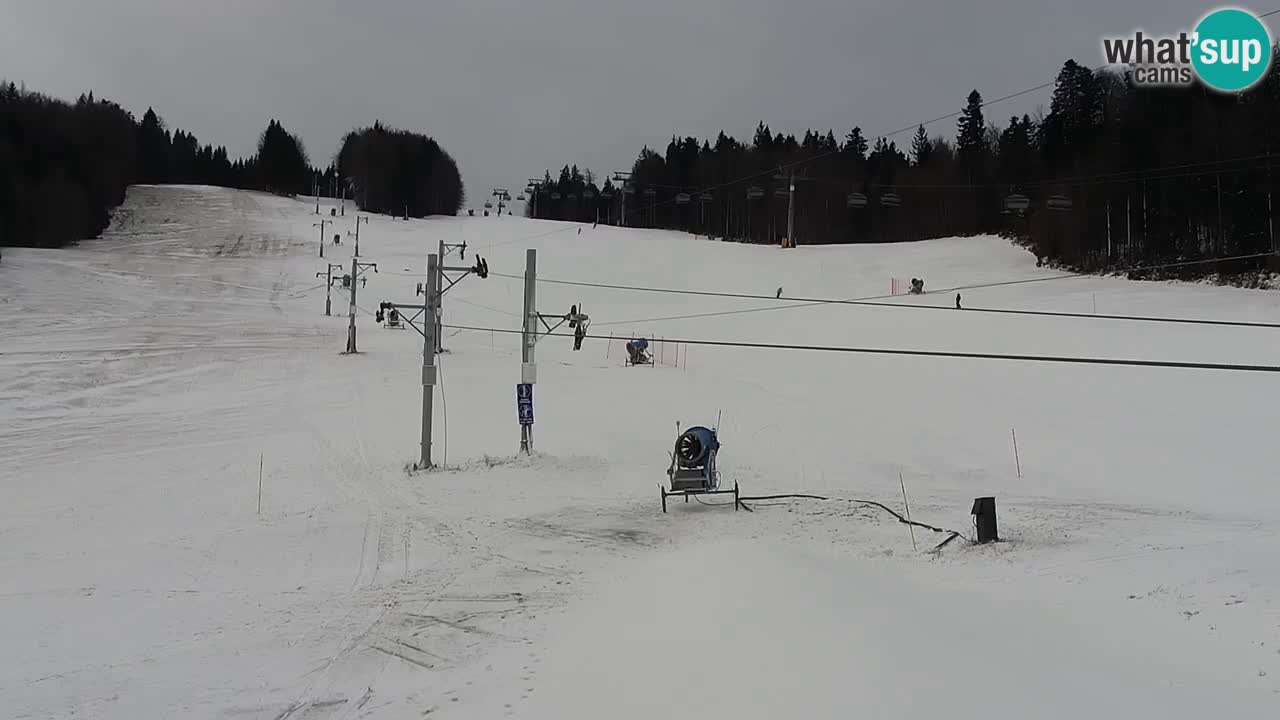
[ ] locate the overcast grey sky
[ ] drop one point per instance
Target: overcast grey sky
(514, 87)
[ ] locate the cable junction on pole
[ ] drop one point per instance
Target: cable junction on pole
(357, 270)
(429, 312)
(328, 285)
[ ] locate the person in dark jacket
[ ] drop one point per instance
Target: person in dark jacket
(579, 322)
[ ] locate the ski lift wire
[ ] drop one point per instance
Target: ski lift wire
(878, 300)
(950, 354)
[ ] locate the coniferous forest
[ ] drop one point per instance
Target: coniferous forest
(65, 166)
(1113, 176)
(398, 172)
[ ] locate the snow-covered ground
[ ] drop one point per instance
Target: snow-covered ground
(145, 376)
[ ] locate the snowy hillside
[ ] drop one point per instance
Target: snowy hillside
(144, 377)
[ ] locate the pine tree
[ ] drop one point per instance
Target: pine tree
(1015, 151)
(971, 129)
(283, 161)
(153, 148)
(921, 147)
(855, 144)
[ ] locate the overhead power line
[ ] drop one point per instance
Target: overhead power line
(933, 353)
(877, 301)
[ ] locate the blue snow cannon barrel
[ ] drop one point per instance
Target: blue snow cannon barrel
(695, 445)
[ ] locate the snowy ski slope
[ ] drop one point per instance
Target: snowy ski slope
(145, 375)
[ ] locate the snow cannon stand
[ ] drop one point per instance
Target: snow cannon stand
(389, 316)
(693, 466)
(652, 352)
(638, 354)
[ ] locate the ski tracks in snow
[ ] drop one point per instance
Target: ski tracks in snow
(478, 593)
(370, 523)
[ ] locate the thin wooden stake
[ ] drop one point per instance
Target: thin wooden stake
(1016, 461)
(906, 505)
(260, 461)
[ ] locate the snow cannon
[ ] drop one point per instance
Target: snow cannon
(695, 457)
(693, 466)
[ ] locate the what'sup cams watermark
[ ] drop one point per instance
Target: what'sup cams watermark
(1230, 50)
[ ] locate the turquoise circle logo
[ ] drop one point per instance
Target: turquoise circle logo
(1232, 50)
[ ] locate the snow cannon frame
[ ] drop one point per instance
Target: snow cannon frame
(693, 466)
(389, 315)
